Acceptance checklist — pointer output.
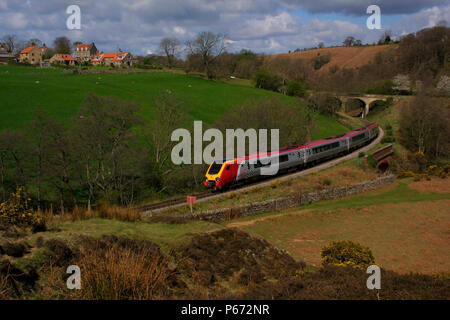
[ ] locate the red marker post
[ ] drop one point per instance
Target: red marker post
(191, 200)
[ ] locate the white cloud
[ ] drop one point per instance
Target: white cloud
(15, 21)
(3, 5)
(261, 25)
(280, 24)
(426, 18)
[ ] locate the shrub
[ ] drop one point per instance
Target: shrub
(120, 269)
(388, 140)
(347, 253)
(296, 88)
(15, 211)
(265, 80)
(382, 87)
(320, 61)
(324, 103)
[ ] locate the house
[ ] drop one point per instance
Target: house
(5, 58)
(44, 49)
(32, 55)
(113, 59)
(3, 48)
(85, 52)
(61, 58)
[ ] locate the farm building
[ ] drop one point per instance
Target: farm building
(5, 58)
(114, 59)
(32, 55)
(85, 52)
(66, 59)
(3, 48)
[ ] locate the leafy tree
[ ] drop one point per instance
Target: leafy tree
(296, 88)
(349, 41)
(265, 80)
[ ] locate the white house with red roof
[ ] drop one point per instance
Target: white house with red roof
(115, 59)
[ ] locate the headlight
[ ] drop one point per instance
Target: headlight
(217, 179)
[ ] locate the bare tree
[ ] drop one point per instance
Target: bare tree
(169, 117)
(424, 126)
(104, 140)
(62, 45)
(169, 47)
(35, 42)
(11, 42)
(208, 46)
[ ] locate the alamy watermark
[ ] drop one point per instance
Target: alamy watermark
(214, 152)
(74, 280)
(374, 21)
(374, 281)
(74, 19)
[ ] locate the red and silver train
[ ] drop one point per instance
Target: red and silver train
(245, 169)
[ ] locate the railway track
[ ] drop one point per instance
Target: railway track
(170, 203)
(202, 197)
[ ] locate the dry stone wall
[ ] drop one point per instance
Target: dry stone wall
(295, 200)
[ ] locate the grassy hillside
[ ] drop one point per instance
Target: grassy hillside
(61, 93)
(405, 224)
(343, 57)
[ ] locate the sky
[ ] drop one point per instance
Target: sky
(263, 26)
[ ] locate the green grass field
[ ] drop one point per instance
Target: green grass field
(61, 93)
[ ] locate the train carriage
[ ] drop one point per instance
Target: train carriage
(222, 174)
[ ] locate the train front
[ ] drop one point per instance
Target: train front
(213, 176)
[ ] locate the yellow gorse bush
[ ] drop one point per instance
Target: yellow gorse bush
(347, 254)
(15, 210)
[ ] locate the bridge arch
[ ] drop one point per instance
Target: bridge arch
(354, 106)
(366, 101)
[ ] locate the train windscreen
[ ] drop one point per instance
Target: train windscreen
(215, 168)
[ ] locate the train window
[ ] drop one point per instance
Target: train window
(327, 147)
(259, 164)
(284, 158)
(358, 137)
(215, 168)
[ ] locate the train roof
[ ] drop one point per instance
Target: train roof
(305, 145)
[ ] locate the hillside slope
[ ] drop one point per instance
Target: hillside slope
(344, 57)
(61, 93)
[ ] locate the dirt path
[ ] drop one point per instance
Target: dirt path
(253, 221)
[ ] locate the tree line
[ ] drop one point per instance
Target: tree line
(107, 154)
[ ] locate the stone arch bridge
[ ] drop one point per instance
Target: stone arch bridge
(367, 100)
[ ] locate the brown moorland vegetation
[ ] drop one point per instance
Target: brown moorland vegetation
(343, 57)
